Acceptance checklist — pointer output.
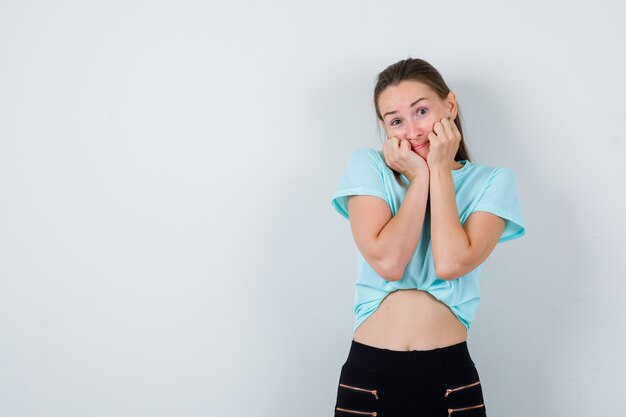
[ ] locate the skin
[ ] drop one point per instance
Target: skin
(414, 319)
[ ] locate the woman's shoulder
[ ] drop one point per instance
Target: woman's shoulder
(487, 174)
(367, 155)
(488, 168)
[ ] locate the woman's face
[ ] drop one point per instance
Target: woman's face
(410, 111)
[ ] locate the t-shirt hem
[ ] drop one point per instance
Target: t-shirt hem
(521, 229)
(342, 207)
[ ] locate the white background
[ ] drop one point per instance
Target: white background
(167, 241)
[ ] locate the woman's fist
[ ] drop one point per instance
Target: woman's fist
(444, 143)
(400, 157)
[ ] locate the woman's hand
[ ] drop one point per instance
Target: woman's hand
(444, 143)
(400, 157)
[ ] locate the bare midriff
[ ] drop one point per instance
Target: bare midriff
(411, 320)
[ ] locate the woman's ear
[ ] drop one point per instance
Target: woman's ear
(451, 104)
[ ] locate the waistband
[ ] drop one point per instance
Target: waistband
(432, 362)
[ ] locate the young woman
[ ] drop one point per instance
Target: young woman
(424, 219)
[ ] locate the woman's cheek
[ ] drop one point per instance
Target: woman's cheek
(433, 122)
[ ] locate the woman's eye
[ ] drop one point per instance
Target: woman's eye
(418, 112)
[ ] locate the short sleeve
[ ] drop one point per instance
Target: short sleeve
(363, 175)
(501, 198)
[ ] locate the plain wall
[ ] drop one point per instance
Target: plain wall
(167, 241)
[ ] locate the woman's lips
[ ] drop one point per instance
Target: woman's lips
(421, 145)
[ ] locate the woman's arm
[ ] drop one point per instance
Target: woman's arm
(458, 249)
(388, 242)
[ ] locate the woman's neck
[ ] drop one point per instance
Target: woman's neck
(454, 165)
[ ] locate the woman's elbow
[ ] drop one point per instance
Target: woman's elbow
(448, 271)
(390, 270)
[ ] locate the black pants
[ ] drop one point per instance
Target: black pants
(441, 382)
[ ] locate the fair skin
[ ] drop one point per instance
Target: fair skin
(422, 143)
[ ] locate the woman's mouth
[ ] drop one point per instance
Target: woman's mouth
(420, 145)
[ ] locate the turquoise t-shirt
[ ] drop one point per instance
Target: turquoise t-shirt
(477, 187)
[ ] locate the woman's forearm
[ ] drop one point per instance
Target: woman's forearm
(448, 239)
(399, 238)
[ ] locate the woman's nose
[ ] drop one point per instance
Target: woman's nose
(412, 131)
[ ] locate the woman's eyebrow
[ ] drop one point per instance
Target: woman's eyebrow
(412, 104)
